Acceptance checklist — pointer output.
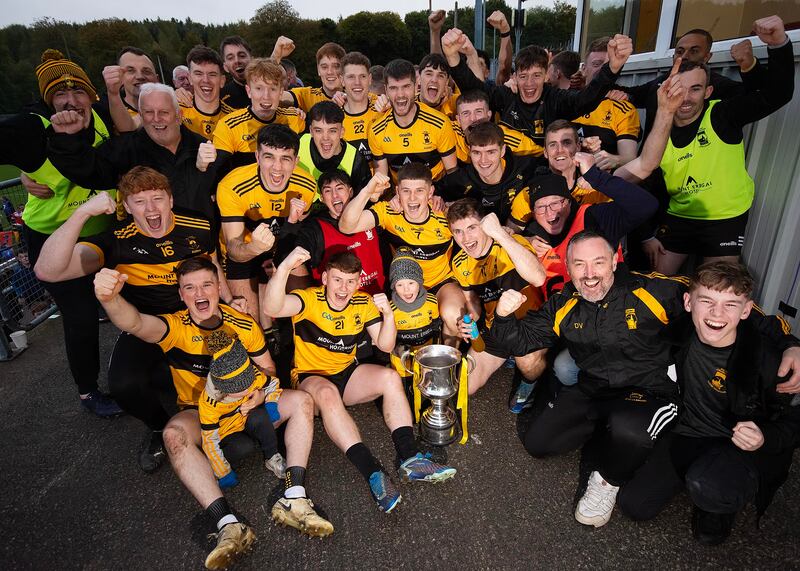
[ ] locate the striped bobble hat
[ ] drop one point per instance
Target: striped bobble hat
(56, 72)
(231, 369)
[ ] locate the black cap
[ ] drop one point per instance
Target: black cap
(548, 185)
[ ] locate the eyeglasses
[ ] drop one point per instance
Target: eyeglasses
(552, 207)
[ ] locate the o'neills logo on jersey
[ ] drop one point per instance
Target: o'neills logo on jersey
(164, 243)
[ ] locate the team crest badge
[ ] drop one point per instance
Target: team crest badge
(630, 319)
(719, 381)
(702, 138)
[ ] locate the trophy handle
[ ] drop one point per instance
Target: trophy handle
(471, 363)
(404, 359)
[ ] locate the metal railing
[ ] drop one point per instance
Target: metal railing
(24, 302)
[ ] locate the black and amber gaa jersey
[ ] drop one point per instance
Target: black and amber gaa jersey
(516, 141)
(238, 131)
(220, 417)
(203, 123)
(447, 106)
(415, 328)
(242, 197)
(185, 345)
(611, 121)
(150, 262)
(492, 274)
(426, 140)
(430, 241)
(325, 339)
(306, 97)
(356, 129)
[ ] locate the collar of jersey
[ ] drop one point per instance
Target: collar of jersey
(414, 120)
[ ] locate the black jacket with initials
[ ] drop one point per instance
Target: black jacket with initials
(619, 341)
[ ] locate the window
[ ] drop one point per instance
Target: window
(732, 19)
(636, 18)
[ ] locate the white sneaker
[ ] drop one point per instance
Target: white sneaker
(597, 503)
(276, 465)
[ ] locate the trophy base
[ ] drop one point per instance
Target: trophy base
(439, 427)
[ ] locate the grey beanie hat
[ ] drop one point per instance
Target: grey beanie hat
(231, 369)
(404, 267)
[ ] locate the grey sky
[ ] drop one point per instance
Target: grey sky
(204, 11)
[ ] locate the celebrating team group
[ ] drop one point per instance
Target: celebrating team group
(234, 228)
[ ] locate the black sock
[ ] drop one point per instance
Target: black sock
(295, 476)
(219, 509)
(404, 443)
(363, 459)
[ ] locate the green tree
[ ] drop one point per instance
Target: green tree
(381, 35)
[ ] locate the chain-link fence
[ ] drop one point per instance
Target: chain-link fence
(24, 302)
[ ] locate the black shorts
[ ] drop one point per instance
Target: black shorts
(435, 289)
(246, 270)
(501, 348)
(705, 238)
(339, 379)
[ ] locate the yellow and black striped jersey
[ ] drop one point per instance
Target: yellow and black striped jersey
(306, 97)
(492, 274)
(356, 129)
(426, 140)
(188, 355)
(238, 131)
(430, 241)
(242, 197)
(582, 192)
(517, 141)
(220, 417)
(415, 328)
(611, 121)
(418, 326)
(150, 262)
(325, 339)
(203, 123)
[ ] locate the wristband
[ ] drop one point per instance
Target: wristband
(505, 34)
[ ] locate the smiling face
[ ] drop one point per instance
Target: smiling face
(330, 72)
(697, 91)
(407, 290)
(138, 71)
(591, 264)
(551, 213)
(468, 114)
(560, 148)
(355, 80)
(265, 97)
(339, 287)
(716, 314)
(151, 210)
(414, 196)
(401, 95)
(487, 160)
(432, 85)
(275, 166)
(335, 195)
(207, 80)
(469, 235)
(530, 82)
(160, 118)
(236, 58)
(200, 292)
(75, 99)
(327, 137)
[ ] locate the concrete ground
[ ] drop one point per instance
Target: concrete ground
(74, 498)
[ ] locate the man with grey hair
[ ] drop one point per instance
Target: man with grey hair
(161, 143)
(180, 78)
(611, 321)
